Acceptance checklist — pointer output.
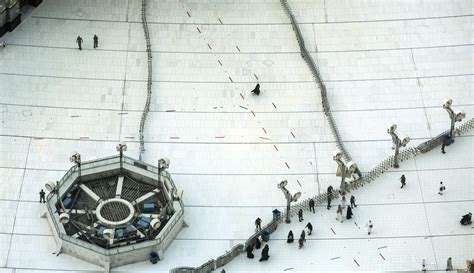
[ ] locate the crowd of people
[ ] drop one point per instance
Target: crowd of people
(344, 210)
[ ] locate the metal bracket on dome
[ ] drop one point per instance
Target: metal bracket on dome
(118, 191)
(145, 197)
(89, 192)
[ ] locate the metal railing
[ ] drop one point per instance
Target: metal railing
(321, 199)
(146, 109)
(317, 76)
(466, 126)
(438, 140)
(100, 163)
(382, 167)
(212, 264)
(123, 249)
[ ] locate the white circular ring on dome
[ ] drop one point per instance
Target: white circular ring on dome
(109, 234)
(155, 224)
(64, 218)
(110, 223)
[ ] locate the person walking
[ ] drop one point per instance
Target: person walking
(423, 265)
(329, 197)
(349, 213)
(311, 205)
(96, 41)
(3, 43)
(403, 180)
(442, 188)
(256, 90)
(343, 202)
(302, 239)
(290, 238)
(300, 215)
(369, 227)
(258, 224)
(249, 251)
(446, 141)
(79, 42)
(42, 194)
(258, 244)
(449, 264)
(339, 213)
(265, 255)
(466, 219)
(301, 242)
(310, 228)
(353, 201)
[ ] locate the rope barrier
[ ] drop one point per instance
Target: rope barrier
(146, 109)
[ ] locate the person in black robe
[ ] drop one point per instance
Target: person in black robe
(466, 219)
(291, 238)
(256, 90)
(249, 251)
(301, 242)
(265, 255)
(329, 196)
(353, 201)
(349, 212)
(302, 239)
(403, 180)
(311, 205)
(79, 42)
(258, 244)
(310, 228)
(96, 41)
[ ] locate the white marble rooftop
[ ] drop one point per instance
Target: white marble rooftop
(382, 62)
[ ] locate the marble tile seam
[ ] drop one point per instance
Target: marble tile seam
(124, 86)
(400, 78)
(51, 269)
(19, 197)
(25, 234)
(266, 142)
(281, 239)
(280, 205)
(425, 210)
(387, 20)
(245, 52)
(145, 81)
(229, 112)
(390, 49)
(339, 238)
(257, 174)
(259, 23)
(164, 23)
(227, 82)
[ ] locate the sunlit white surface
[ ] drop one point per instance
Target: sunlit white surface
(383, 62)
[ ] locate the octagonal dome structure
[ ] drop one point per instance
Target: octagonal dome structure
(115, 211)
